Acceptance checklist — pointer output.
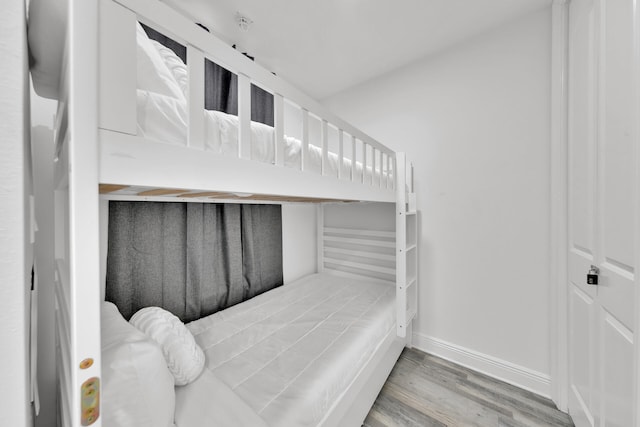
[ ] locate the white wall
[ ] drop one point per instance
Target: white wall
(299, 247)
(475, 122)
(368, 216)
(15, 247)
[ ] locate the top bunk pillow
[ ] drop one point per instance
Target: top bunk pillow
(184, 357)
(137, 387)
(153, 74)
(175, 65)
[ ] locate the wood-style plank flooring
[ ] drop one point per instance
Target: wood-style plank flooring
(425, 390)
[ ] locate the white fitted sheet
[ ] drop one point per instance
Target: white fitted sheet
(290, 353)
(165, 119)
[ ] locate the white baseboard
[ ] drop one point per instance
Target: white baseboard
(522, 377)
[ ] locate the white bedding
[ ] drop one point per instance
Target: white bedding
(165, 119)
(290, 353)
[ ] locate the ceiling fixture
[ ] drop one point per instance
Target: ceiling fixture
(243, 21)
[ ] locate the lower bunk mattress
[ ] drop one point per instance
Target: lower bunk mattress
(284, 358)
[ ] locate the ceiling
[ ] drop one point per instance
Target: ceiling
(326, 46)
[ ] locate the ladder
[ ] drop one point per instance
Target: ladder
(406, 247)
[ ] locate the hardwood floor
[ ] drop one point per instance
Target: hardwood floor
(424, 390)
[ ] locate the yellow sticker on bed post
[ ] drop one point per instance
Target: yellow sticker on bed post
(90, 401)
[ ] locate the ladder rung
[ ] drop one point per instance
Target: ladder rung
(360, 241)
(360, 232)
(360, 265)
(411, 247)
(362, 254)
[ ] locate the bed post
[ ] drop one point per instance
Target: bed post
(320, 237)
(77, 249)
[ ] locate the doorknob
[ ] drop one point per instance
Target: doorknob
(592, 276)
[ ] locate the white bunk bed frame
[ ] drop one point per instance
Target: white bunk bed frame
(98, 151)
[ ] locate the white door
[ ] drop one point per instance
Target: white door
(601, 212)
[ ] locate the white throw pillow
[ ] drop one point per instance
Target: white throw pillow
(137, 387)
(153, 74)
(175, 65)
(184, 357)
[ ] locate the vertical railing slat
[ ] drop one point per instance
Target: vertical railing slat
(278, 119)
(388, 174)
(380, 159)
(304, 153)
(324, 141)
(195, 76)
(353, 158)
(340, 152)
(244, 116)
(364, 162)
(373, 165)
(383, 170)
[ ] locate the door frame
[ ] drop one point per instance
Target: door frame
(636, 138)
(559, 212)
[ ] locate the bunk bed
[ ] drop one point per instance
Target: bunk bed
(115, 141)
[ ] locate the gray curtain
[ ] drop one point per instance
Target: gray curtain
(192, 259)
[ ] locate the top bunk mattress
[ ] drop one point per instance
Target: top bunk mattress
(290, 353)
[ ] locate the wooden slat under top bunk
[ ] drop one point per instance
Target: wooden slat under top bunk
(114, 191)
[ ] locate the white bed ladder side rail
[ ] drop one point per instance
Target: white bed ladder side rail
(77, 253)
(406, 246)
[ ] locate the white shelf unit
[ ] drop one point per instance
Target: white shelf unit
(406, 248)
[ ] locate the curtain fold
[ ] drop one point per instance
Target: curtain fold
(192, 259)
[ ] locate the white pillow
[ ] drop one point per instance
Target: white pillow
(175, 65)
(137, 387)
(184, 357)
(153, 74)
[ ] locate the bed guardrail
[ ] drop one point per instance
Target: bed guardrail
(358, 253)
(118, 94)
